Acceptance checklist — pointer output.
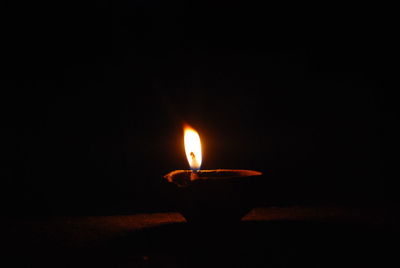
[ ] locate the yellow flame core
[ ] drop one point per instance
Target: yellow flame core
(192, 148)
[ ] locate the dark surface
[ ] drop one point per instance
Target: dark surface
(313, 236)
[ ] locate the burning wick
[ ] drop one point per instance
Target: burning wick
(193, 151)
(192, 148)
(194, 157)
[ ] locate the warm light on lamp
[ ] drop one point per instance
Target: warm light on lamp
(193, 153)
(192, 147)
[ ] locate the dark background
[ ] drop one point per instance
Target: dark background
(94, 97)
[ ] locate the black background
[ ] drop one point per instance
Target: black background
(94, 98)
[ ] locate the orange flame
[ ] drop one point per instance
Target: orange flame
(192, 147)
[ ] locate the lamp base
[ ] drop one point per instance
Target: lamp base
(214, 196)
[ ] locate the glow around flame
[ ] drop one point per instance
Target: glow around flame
(192, 147)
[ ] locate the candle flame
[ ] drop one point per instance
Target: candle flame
(192, 147)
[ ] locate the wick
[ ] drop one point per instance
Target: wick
(194, 171)
(194, 175)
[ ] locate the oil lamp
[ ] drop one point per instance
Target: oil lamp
(220, 195)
